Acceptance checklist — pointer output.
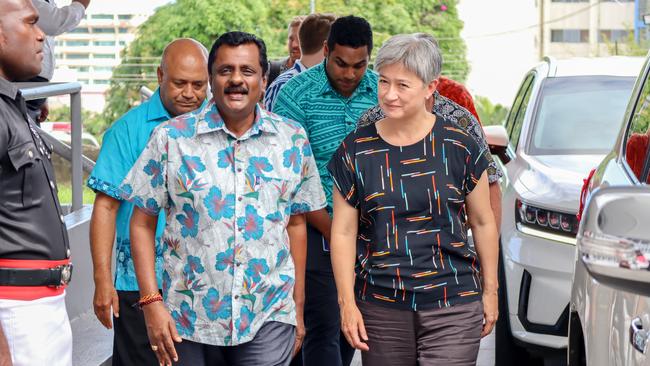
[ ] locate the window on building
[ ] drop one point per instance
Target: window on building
(122, 43)
(124, 30)
(83, 81)
(569, 35)
(101, 82)
(124, 16)
(77, 43)
(81, 68)
(104, 43)
(102, 16)
(80, 30)
(77, 56)
(104, 55)
(613, 35)
(103, 30)
(102, 69)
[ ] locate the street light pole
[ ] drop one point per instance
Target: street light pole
(312, 6)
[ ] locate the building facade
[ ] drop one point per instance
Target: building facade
(586, 28)
(90, 52)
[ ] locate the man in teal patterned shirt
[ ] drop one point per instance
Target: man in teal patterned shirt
(327, 100)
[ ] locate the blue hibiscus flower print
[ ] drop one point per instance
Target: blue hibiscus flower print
(126, 191)
(216, 308)
(166, 284)
(193, 266)
(225, 260)
(189, 221)
(219, 206)
(276, 294)
(257, 166)
(152, 205)
(190, 165)
(154, 170)
(252, 223)
(244, 321)
(256, 268)
(185, 320)
(181, 126)
(275, 217)
(226, 158)
(299, 208)
(292, 159)
(214, 118)
(306, 149)
(281, 257)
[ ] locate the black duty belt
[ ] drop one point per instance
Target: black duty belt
(53, 277)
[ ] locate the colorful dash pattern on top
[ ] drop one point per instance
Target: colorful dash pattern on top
(412, 247)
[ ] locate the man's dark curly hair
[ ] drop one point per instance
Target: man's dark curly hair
(235, 39)
(350, 31)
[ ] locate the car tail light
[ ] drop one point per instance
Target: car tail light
(546, 220)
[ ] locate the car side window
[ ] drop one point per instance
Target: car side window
(515, 134)
(636, 145)
(517, 103)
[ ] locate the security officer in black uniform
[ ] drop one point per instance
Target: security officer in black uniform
(34, 249)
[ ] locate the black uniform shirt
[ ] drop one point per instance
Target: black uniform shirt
(31, 220)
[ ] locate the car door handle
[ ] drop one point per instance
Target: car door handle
(638, 335)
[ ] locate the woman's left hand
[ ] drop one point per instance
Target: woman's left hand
(490, 311)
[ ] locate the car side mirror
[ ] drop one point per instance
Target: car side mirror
(497, 139)
(613, 240)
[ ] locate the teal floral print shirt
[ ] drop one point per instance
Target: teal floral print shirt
(227, 265)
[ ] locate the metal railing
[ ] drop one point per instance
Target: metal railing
(73, 153)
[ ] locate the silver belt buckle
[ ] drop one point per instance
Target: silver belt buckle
(66, 274)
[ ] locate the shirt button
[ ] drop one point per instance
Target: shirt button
(236, 297)
(240, 229)
(238, 264)
(30, 154)
(239, 170)
(240, 198)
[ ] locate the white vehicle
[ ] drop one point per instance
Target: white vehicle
(610, 299)
(563, 121)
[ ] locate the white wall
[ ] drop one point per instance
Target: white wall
(501, 45)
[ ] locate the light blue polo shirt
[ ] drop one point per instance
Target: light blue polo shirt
(122, 144)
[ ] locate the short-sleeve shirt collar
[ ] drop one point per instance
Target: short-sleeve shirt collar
(156, 110)
(209, 120)
(326, 87)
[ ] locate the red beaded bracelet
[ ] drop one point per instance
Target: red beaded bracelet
(149, 300)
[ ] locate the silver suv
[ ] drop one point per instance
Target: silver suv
(610, 298)
(562, 123)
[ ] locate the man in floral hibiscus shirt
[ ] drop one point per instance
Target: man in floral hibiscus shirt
(235, 182)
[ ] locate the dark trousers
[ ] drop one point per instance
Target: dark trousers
(447, 336)
(130, 341)
(324, 343)
(272, 346)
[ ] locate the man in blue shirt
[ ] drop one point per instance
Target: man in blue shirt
(327, 100)
(183, 80)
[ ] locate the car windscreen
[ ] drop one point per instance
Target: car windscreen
(579, 114)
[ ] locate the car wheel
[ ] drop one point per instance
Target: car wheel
(507, 352)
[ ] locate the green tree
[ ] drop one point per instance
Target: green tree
(93, 123)
(205, 20)
(490, 114)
